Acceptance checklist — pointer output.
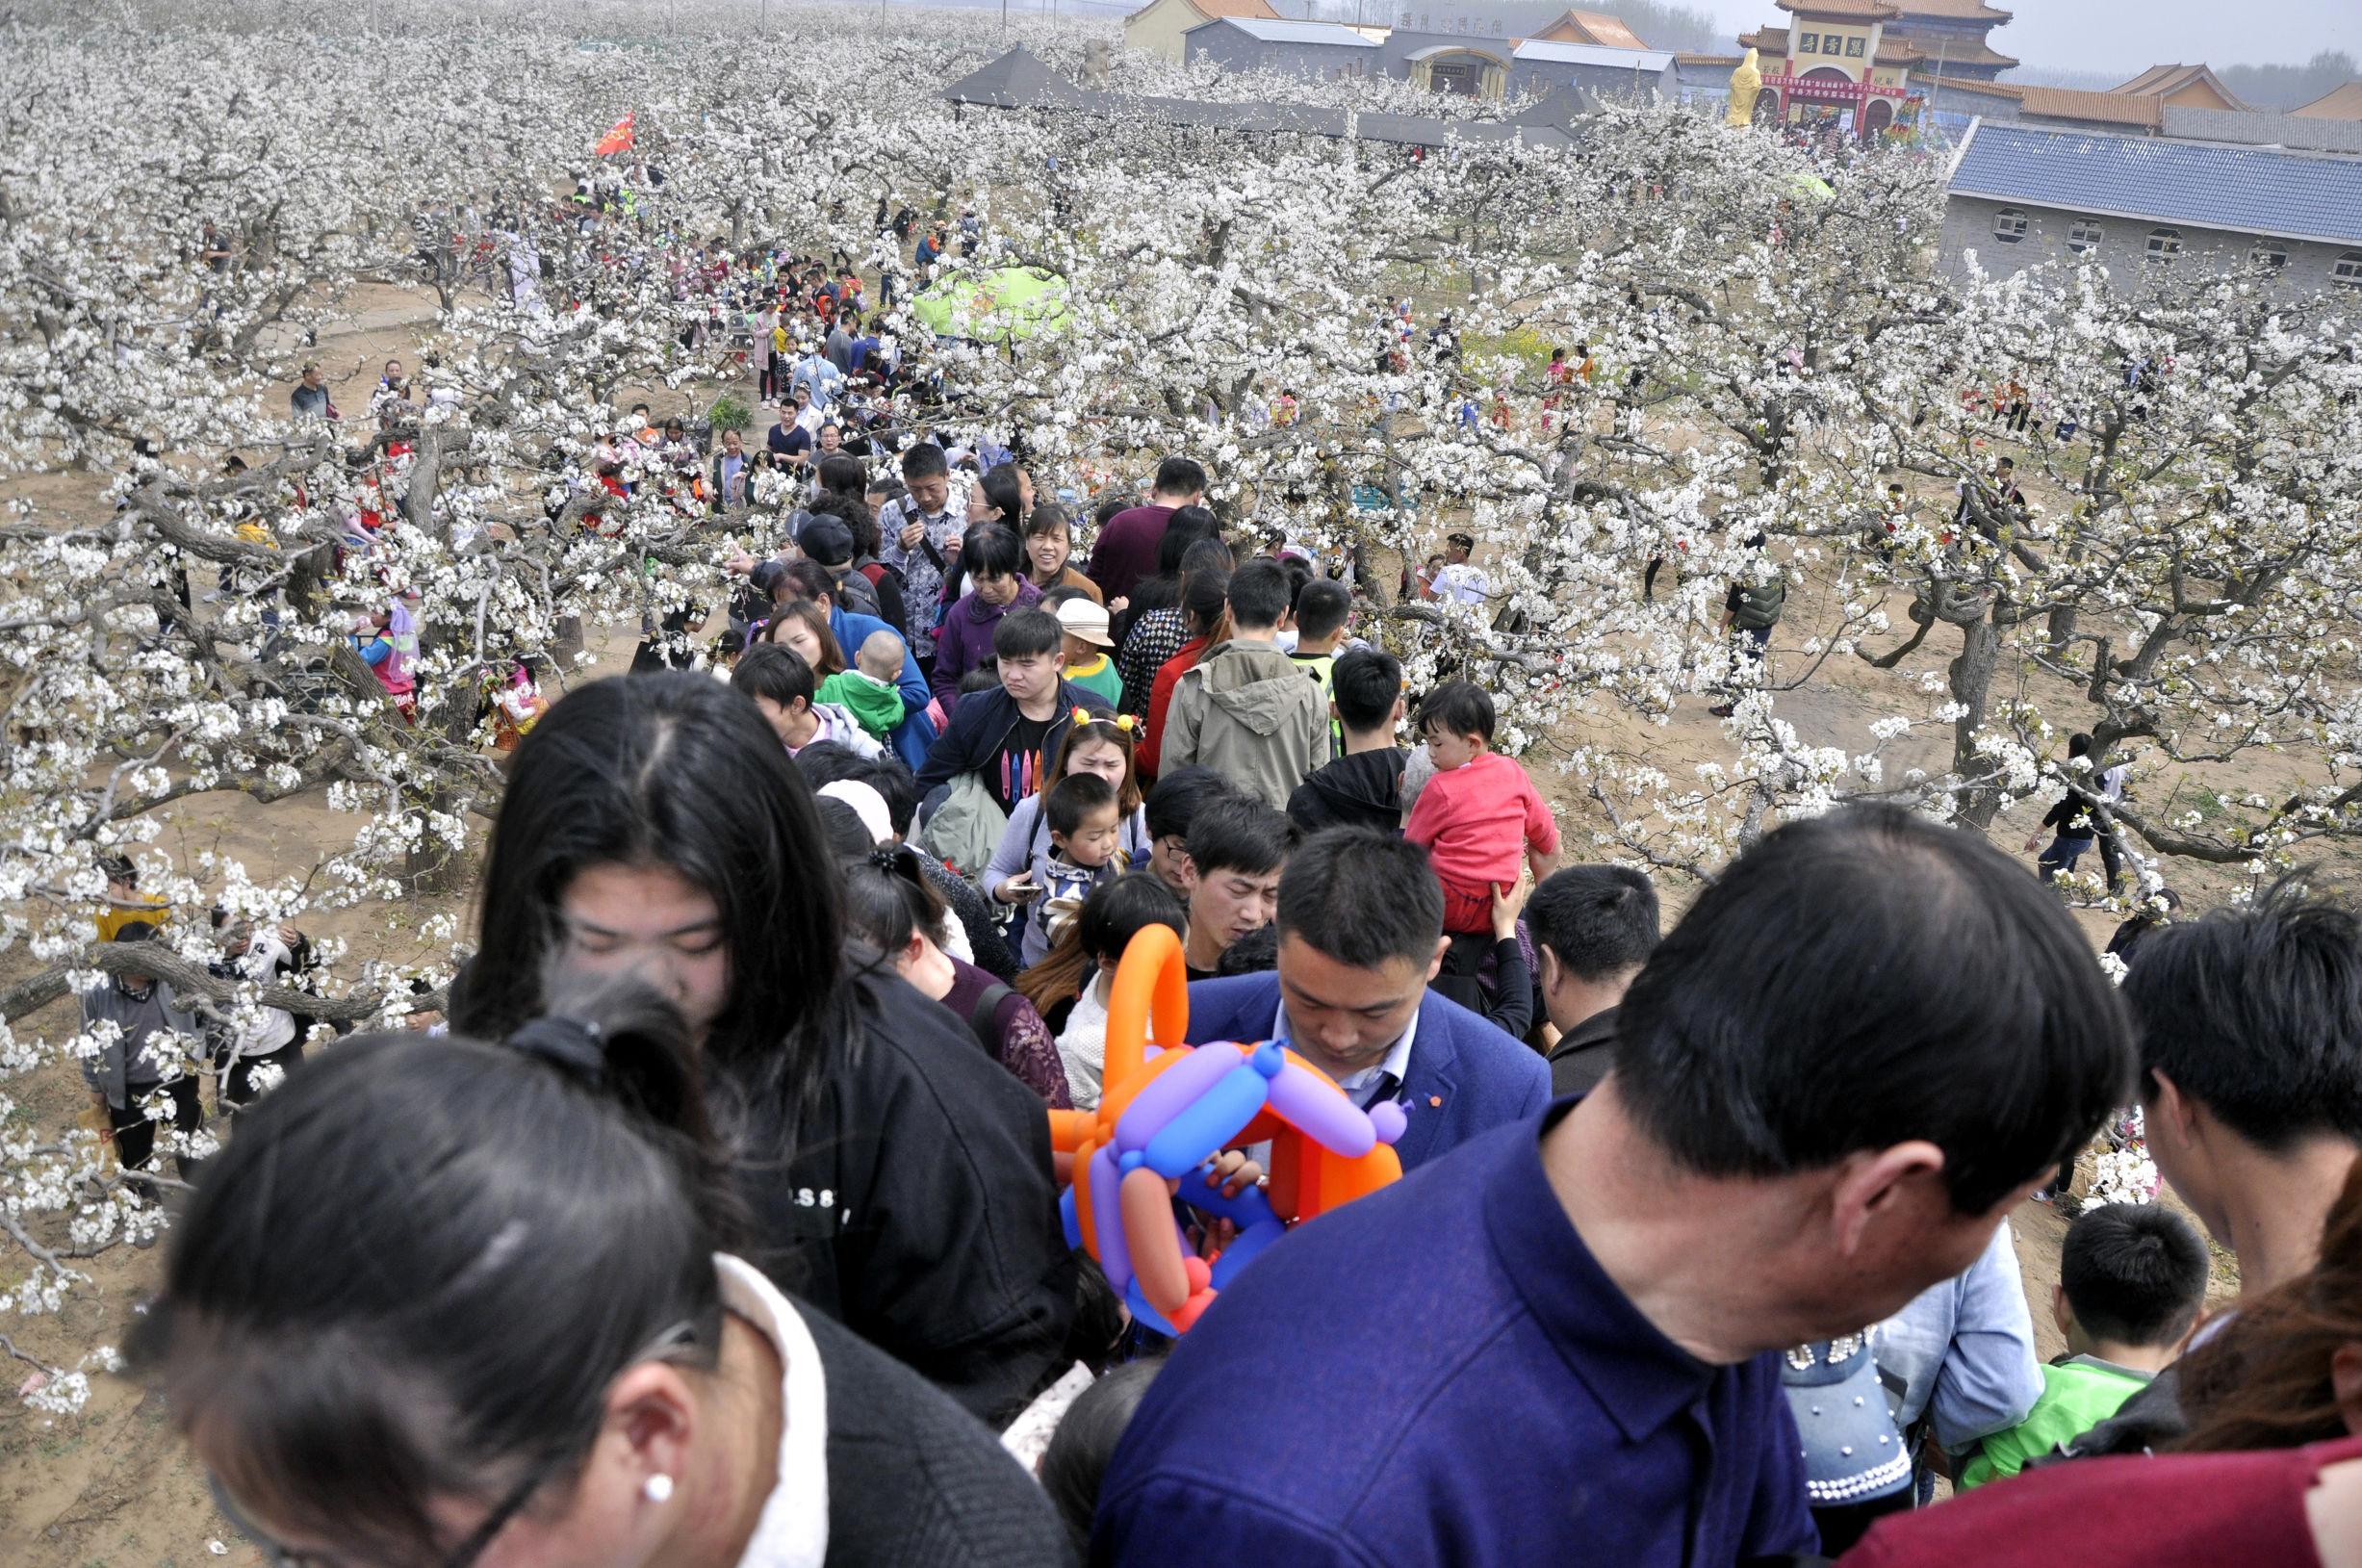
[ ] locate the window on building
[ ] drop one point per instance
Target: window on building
(2163, 245)
(2010, 225)
(2084, 235)
(1853, 48)
(2269, 255)
(1808, 43)
(2347, 270)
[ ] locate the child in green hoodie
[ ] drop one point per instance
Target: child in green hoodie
(868, 691)
(2132, 1277)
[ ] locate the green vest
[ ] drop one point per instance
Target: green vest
(1323, 669)
(1760, 604)
(2077, 1395)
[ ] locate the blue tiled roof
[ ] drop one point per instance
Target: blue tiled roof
(1268, 30)
(2294, 196)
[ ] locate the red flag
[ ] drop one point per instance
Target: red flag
(618, 140)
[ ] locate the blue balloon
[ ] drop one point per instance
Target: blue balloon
(1251, 1207)
(1244, 1250)
(1200, 1128)
(1148, 1315)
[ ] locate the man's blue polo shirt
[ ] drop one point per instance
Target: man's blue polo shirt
(1440, 1374)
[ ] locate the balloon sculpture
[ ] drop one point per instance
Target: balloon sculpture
(1167, 1112)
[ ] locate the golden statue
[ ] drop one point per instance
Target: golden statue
(1745, 83)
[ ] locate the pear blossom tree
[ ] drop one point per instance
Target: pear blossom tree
(1766, 345)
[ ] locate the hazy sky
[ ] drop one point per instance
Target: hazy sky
(2128, 35)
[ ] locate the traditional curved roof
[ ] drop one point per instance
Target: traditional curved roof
(2340, 103)
(1954, 10)
(2136, 110)
(1850, 10)
(2163, 81)
(1592, 27)
(1956, 51)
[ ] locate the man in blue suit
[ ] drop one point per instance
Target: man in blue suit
(1361, 933)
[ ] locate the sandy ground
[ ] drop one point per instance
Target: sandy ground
(113, 1488)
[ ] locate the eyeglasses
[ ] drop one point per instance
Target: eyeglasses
(468, 1550)
(481, 1537)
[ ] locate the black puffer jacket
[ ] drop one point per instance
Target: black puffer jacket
(916, 1206)
(1362, 791)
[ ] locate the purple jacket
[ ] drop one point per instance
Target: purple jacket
(964, 642)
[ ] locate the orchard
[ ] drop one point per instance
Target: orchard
(1762, 375)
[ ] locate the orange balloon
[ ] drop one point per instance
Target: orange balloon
(1285, 1187)
(1068, 1129)
(1268, 1125)
(1359, 1178)
(1086, 1217)
(1152, 985)
(1156, 1248)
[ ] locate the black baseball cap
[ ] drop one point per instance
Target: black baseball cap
(827, 540)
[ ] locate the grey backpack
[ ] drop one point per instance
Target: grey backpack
(966, 829)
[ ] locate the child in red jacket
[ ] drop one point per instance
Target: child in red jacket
(1479, 815)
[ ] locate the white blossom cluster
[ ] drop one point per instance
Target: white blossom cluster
(1355, 339)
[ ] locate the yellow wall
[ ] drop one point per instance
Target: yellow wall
(1842, 57)
(2196, 95)
(1158, 28)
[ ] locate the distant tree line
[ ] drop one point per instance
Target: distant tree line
(2285, 87)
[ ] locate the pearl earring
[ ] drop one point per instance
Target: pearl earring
(656, 1488)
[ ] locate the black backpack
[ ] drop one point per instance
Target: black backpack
(981, 1021)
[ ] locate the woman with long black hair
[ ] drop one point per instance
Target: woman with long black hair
(449, 1302)
(898, 1179)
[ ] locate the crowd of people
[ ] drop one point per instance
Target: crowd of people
(1701, 1253)
(721, 1225)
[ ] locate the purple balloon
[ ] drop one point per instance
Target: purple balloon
(1107, 1208)
(1173, 1090)
(1389, 1120)
(1316, 1108)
